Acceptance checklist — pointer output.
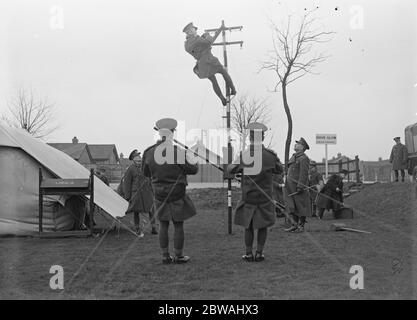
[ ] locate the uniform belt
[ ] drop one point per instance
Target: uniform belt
(164, 193)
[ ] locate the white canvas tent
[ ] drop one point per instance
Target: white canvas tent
(21, 155)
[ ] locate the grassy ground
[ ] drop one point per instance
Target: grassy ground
(313, 265)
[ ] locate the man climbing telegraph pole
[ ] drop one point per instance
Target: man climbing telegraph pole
(207, 65)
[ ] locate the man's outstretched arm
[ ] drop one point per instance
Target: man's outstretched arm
(212, 39)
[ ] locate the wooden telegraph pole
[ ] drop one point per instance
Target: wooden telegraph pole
(224, 43)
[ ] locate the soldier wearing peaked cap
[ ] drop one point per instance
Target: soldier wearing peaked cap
(167, 167)
(207, 65)
(399, 159)
(256, 209)
(137, 191)
(296, 192)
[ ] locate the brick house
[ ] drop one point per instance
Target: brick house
(78, 151)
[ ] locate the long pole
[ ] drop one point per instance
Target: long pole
(229, 144)
(327, 162)
(228, 125)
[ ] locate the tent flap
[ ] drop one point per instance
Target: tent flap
(58, 164)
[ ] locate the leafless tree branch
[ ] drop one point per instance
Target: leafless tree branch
(35, 115)
(292, 58)
(246, 109)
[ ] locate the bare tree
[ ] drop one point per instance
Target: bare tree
(35, 115)
(245, 110)
(291, 58)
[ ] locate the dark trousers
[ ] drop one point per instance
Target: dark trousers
(396, 172)
(229, 84)
(250, 236)
(320, 212)
(297, 220)
(178, 237)
(136, 219)
(313, 208)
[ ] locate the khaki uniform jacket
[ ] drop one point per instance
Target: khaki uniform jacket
(399, 157)
(169, 181)
(297, 180)
(256, 205)
(137, 190)
(200, 48)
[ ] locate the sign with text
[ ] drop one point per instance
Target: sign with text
(326, 139)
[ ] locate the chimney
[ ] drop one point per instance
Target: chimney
(75, 140)
(121, 155)
(379, 159)
(339, 155)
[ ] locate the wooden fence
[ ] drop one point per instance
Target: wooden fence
(352, 166)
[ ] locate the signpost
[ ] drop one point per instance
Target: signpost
(326, 139)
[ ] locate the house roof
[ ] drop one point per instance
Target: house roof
(376, 163)
(338, 158)
(103, 151)
(74, 150)
(202, 150)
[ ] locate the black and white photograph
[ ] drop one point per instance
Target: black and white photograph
(208, 156)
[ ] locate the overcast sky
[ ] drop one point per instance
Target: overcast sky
(112, 68)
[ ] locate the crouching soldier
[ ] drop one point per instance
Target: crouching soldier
(256, 209)
(331, 196)
(296, 187)
(168, 167)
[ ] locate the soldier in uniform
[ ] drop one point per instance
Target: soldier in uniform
(138, 191)
(331, 196)
(316, 183)
(256, 209)
(101, 174)
(278, 182)
(207, 65)
(168, 166)
(399, 158)
(296, 187)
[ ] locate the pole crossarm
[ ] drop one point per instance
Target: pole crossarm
(228, 43)
(225, 28)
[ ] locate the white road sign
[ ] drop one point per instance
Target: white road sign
(326, 139)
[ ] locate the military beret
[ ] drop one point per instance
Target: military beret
(303, 142)
(397, 138)
(166, 123)
(313, 163)
(133, 154)
(256, 126)
(190, 25)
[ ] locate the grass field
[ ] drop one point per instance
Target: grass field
(312, 265)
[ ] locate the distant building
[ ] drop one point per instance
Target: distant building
(337, 163)
(78, 151)
(379, 171)
(94, 156)
(334, 164)
(207, 173)
(104, 153)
